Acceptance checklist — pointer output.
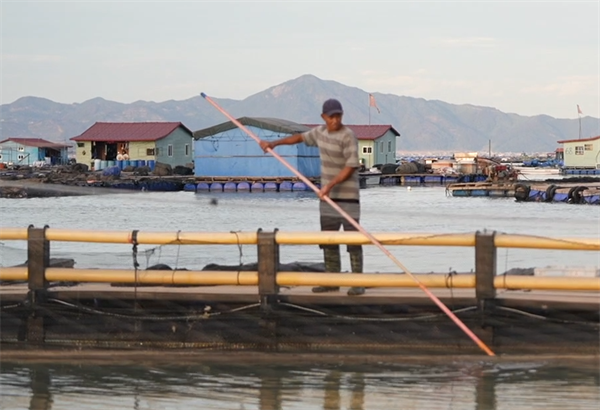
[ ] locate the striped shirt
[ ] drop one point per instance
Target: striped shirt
(337, 150)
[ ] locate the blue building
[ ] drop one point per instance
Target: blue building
(28, 151)
(226, 150)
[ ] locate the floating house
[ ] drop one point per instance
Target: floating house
(32, 151)
(376, 143)
(224, 150)
(142, 142)
(581, 154)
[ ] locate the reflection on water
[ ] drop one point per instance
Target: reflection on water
(471, 385)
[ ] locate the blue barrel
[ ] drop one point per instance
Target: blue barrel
(432, 179)
(134, 163)
(141, 163)
(151, 164)
(230, 186)
(216, 186)
(560, 197)
(299, 186)
(285, 186)
(111, 171)
(103, 164)
(271, 186)
(126, 163)
(243, 186)
(189, 187)
(120, 163)
(111, 163)
(203, 186)
(257, 187)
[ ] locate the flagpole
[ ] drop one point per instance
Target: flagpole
(369, 97)
(579, 114)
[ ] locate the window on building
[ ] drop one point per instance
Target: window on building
(588, 147)
(389, 146)
(81, 144)
(20, 157)
(150, 151)
(381, 147)
(187, 150)
(0, 156)
(367, 150)
(579, 150)
(170, 150)
(21, 149)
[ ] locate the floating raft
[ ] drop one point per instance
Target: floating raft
(580, 171)
(573, 193)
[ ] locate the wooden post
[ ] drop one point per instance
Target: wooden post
(38, 259)
(268, 263)
(485, 272)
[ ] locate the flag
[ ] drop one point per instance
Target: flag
(579, 109)
(372, 103)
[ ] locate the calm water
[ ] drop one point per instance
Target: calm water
(451, 385)
(419, 210)
(447, 384)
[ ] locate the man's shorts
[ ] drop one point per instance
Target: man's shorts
(332, 220)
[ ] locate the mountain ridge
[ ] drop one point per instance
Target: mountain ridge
(425, 125)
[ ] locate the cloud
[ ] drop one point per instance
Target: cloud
(466, 42)
(32, 58)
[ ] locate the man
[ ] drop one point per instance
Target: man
(338, 150)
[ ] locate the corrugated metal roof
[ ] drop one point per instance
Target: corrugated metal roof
(129, 131)
(35, 142)
(366, 132)
(271, 124)
(581, 140)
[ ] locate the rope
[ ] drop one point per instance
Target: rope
(373, 319)
(204, 315)
(136, 265)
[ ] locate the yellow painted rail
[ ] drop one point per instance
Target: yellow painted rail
(13, 234)
(305, 238)
(250, 278)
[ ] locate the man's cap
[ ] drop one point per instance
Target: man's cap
(332, 106)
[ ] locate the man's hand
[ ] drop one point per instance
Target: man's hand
(265, 145)
(324, 191)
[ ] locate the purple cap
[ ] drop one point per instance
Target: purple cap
(331, 107)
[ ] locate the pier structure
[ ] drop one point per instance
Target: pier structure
(262, 307)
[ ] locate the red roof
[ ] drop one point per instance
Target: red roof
(129, 131)
(581, 140)
(366, 132)
(35, 142)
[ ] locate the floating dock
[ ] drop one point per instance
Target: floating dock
(557, 191)
(264, 308)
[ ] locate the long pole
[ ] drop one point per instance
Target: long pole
(371, 238)
(579, 126)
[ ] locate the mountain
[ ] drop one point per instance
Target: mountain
(425, 125)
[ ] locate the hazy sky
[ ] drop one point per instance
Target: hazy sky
(528, 58)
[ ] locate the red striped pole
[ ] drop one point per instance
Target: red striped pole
(375, 242)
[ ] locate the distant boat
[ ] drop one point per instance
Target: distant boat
(369, 178)
(537, 170)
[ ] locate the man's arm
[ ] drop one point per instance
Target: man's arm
(344, 174)
(291, 140)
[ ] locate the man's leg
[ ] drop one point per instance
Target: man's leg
(355, 251)
(331, 253)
